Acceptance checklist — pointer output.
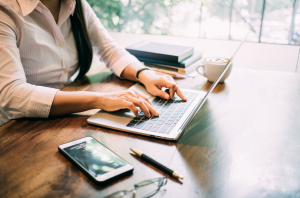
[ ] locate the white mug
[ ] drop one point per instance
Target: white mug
(212, 68)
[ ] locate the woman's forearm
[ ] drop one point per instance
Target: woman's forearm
(71, 102)
(130, 71)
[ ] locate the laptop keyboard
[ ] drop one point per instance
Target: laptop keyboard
(170, 112)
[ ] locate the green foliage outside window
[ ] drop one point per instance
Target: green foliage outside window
(200, 18)
(134, 16)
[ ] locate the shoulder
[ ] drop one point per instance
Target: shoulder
(86, 7)
(11, 16)
(89, 14)
(11, 6)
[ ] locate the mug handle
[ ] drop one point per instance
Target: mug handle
(203, 74)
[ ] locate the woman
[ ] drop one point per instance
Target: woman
(43, 43)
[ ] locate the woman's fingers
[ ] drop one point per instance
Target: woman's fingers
(129, 105)
(172, 86)
(147, 98)
(148, 103)
(173, 89)
(162, 94)
(139, 102)
(151, 108)
(179, 93)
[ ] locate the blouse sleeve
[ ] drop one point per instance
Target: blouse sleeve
(115, 57)
(17, 97)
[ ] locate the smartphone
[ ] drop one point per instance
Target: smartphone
(95, 160)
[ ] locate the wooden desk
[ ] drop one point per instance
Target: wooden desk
(244, 142)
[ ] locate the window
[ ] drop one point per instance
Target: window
(270, 21)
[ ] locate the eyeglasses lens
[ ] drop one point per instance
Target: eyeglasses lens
(149, 188)
(121, 194)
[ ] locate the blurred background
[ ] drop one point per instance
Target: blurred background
(270, 21)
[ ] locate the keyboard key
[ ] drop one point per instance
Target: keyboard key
(171, 119)
(171, 109)
(163, 119)
(147, 126)
(169, 122)
(151, 122)
(161, 111)
(140, 125)
(133, 122)
(154, 129)
(154, 118)
(159, 122)
(165, 126)
(173, 116)
(168, 132)
(162, 130)
(180, 108)
(130, 125)
(178, 111)
(155, 101)
(145, 118)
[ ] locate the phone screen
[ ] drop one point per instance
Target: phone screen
(96, 158)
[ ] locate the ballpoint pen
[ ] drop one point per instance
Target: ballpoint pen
(156, 164)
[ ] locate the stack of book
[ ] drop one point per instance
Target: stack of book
(166, 58)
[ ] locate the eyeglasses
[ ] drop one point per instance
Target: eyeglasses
(144, 189)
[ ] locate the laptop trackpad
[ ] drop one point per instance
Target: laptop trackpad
(122, 113)
(117, 119)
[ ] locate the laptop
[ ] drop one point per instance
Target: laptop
(174, 115)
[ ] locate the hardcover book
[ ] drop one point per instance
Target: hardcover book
(160, 51)
(186, 70)
(183, 64)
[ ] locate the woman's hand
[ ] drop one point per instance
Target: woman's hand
(128, 99)
(154, 83)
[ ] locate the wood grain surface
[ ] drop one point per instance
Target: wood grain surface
(244, 142)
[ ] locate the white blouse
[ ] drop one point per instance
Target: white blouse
(38, 56)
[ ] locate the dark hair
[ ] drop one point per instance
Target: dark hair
(82, 41)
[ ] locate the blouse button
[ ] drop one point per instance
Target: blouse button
(61, 45)
(65, 70)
